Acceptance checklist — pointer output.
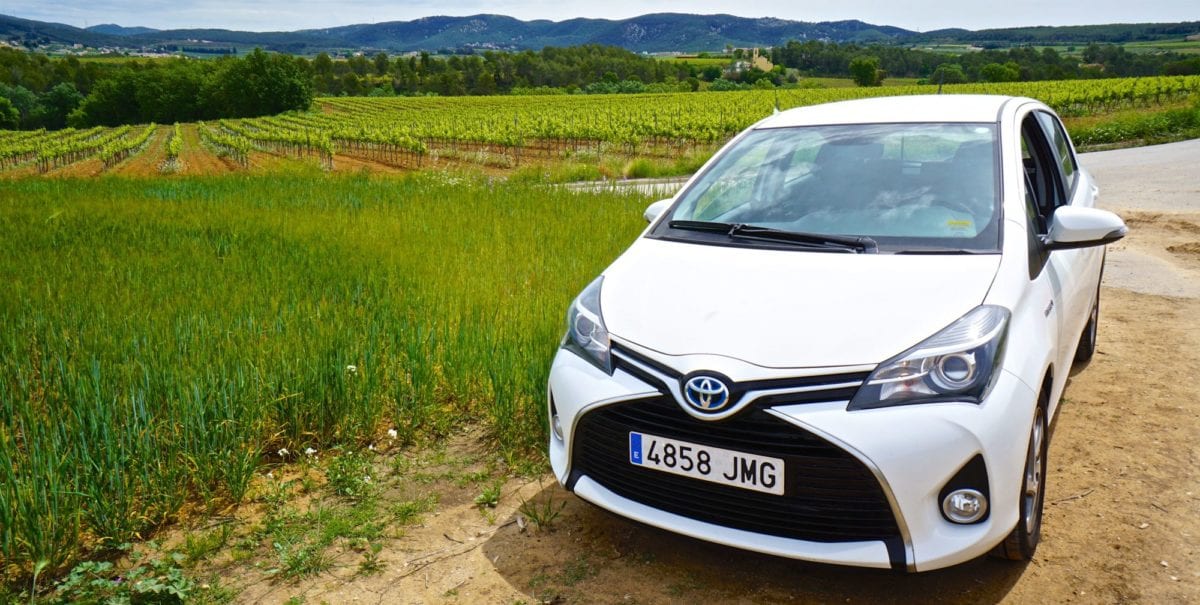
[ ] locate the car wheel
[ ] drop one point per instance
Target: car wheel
(1023, 541)
(1087, 340)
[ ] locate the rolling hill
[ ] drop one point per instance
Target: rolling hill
(651, 33)
(659, 32)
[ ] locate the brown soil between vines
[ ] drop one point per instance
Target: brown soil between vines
(199, 160)
(196, 159)
(145, 162)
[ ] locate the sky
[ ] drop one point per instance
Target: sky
(288, 15)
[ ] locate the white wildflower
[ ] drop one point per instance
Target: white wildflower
(366, 478)
(392, 434)
(308, 451)
(283, 452)
(371, 447)
(352, 369)
(270, 475)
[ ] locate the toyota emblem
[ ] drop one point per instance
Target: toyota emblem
(706, 393)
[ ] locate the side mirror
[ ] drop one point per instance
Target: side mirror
(656, 209)
(1072, 227)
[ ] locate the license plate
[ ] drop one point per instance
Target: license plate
(707, 463)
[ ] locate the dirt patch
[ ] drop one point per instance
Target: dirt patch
(195, 158)
(85, 168)
(1190, 249)
(353, 163)
(1173, 223)
(146, 161)
(1154, 258)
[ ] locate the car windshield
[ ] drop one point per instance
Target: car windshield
(910, 187)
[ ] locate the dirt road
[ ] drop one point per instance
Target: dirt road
(1155, 188)
(1122, 522)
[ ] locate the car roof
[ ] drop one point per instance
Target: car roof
(909, 108)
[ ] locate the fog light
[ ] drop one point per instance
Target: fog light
(556, 426)
(964, 506)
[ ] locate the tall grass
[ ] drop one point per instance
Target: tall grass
(159, 338)
(1146, 126)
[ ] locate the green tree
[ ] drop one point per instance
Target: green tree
(948, 73)
(865, 71)
(10, 118)
(359, 64)
(995, 72)
(721, 84)
(322, 64)
(112, 102)
(1187, 67)
(324, 79)
(450, 83)
(382, 65)
(24, 100)
(351, 84)
(260, 84)
(58, 103)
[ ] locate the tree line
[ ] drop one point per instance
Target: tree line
(1024, 63)
(40, 92)
(605, 69)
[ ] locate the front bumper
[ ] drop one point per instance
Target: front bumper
(911, 451)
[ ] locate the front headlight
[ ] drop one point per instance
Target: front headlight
(959, 363)
(586, 334)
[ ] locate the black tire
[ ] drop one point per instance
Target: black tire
(1087, 340)
(1023, 541)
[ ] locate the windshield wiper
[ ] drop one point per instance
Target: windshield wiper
(943, 251)
(767, 234)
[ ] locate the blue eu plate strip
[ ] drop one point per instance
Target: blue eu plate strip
(635, 448)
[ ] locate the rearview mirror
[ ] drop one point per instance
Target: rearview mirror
(656, 209)
(1072, 227)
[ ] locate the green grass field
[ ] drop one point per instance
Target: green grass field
(118, 59)
(949, 49)
(700, 61)
(1191, 47)
(159, 339)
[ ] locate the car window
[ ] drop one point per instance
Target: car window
(744, 170)
(1066, 159)
(1043, 178)
(906, 185)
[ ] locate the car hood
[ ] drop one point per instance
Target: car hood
(787, 308)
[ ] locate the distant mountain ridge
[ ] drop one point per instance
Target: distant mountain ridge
(657, 32)
(113, 29)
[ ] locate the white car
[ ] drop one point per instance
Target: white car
(845, 339)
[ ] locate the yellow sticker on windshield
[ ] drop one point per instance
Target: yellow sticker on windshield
(959, 224)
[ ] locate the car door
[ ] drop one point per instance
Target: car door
(1079, 191)
(1055, 275)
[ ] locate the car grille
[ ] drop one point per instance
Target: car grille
(829, 495)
